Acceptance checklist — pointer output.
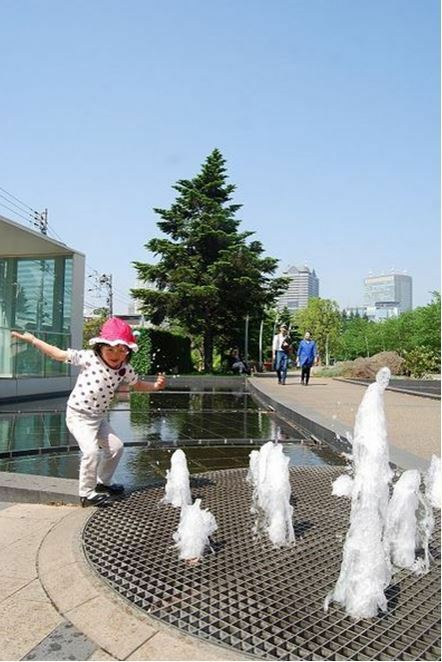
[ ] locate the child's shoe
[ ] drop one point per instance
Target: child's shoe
(94, 500)
(113, 489)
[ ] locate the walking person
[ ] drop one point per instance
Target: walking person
(280, 350)
(102, 369)
(306, 357)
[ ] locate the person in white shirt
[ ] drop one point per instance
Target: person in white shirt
(280, 353)
(102, 369)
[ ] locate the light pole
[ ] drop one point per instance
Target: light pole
(261, 329)
(246, 339)
(106, 280)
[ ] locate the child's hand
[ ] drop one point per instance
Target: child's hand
(160, 382)
(26, 337)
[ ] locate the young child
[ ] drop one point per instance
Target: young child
(102, 369)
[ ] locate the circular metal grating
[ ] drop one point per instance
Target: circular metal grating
(261, 601)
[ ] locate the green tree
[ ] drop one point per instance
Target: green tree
(417, 329)
(323, 319)
(91, 329)
(208, 276)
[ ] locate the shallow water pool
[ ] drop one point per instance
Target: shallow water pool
(217, 430)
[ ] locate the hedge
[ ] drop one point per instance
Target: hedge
(161, 351)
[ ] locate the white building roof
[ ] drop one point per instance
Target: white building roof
(18, 241)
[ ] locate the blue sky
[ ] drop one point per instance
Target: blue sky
(327, 112)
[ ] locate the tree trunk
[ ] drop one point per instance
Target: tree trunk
(208, 350)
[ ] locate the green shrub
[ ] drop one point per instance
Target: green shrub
(421, 361)
(161, 351)
(141, 360)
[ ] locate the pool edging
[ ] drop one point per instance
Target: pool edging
(30, 488)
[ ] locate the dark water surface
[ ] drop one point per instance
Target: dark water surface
(217, 430)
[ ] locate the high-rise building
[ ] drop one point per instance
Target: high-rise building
(304, 284)
(387, 295)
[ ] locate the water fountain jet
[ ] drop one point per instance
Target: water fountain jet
(269, 476)
(194, 530)
(365, 570)
(177, 490)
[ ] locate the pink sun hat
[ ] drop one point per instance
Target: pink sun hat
(116, 332)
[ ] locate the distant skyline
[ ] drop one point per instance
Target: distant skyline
(326, 111)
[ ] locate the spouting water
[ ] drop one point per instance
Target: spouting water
(194, 530)
(342, 486)
(425, 526)
(433, 482)
(177, 491)
(401, 528)
(269, 476)
(365, 570)
(410, 523)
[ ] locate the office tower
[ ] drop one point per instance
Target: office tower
(387, 295)
(304, 284)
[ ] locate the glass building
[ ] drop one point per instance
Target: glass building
(41, 291)
(388, 295)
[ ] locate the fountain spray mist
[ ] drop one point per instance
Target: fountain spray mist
(365, 570)
(433, 482)
(194, 530)
(177, 491)
(269, 476)
(401, 527)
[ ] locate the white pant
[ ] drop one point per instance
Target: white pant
(100, 447)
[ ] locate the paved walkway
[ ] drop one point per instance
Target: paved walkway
(53, 607)
(413, 422)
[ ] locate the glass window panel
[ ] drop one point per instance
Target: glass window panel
(35, 296)
(56, 368)
(67, 295)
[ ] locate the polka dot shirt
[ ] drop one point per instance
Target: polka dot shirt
(96, 384)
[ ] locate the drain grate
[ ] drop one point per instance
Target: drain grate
(262, 601)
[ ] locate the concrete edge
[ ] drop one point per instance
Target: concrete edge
(432, 396)
(31, 488)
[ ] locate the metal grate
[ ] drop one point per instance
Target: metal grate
(261, 601)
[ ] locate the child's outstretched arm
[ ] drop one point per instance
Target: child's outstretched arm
(45, 348)
(158, 385)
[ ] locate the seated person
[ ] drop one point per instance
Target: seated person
(237, 364)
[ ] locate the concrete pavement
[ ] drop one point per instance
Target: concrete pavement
(53, 606)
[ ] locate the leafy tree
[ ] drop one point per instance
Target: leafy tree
(208, 276)
(91, 329)
(417, 329)
(323, 319)
(427, 321)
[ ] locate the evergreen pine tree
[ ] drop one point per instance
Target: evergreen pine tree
(208, 276)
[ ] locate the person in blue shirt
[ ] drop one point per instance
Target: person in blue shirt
(307, 355)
